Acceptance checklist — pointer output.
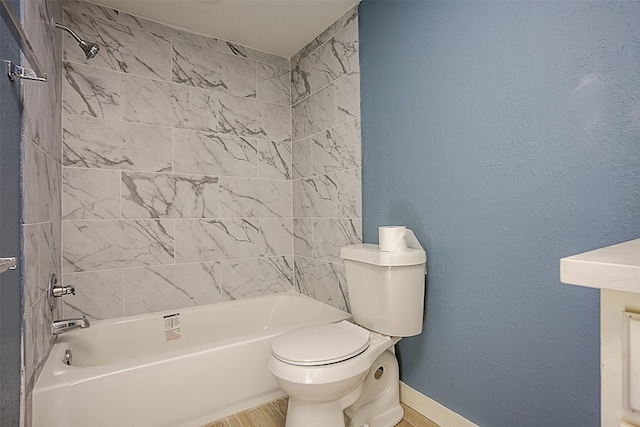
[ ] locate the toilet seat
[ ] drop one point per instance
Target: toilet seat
(320, 345)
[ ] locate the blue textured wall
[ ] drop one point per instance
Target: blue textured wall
(507, 135)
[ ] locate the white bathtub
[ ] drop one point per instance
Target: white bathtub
(182, 367)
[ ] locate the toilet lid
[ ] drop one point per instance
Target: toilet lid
(321, 344)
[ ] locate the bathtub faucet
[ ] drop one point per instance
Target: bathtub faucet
(66, 325)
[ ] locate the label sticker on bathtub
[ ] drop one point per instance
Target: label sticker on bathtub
(172, 326)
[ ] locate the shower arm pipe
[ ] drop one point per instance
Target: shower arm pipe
(68, 30)
(14, 70)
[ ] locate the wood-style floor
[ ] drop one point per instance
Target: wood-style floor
(273, 414)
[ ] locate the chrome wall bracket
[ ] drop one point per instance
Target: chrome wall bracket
(14, 70)
(7, 264)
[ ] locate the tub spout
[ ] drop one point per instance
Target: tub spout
(66, 325)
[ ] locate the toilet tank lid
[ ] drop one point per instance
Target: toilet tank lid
(371, 254)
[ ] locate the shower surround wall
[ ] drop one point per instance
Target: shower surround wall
(327, 204)
(181, 183)
(41, 188)
(177, 167)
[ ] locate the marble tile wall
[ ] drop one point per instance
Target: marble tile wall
(177, 167)
(41, 189)
(326, 151)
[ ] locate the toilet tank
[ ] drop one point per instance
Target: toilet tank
(386, 289)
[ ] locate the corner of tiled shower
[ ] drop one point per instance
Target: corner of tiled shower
(41, 190)
(327, 204)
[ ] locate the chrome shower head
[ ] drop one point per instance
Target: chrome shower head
(90, 49)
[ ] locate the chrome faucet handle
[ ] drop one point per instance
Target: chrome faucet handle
(58, 291)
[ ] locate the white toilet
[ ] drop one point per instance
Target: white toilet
(347, 374)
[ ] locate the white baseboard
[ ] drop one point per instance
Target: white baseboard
(431, 409)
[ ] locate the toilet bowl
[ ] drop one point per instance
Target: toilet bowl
(322, 384)
(344, 373)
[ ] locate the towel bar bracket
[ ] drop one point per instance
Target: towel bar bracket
(14, 70)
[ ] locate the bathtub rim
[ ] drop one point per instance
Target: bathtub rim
(195, 308)
(56, 373)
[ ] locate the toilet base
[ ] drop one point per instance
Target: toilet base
(313, 414)
(320, 414)
(379, 404)
(388, 419)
